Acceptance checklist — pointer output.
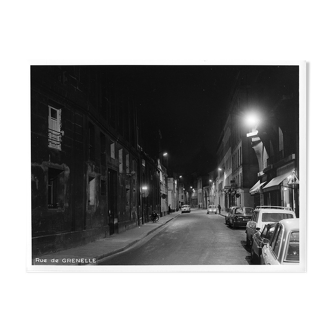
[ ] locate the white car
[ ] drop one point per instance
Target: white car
(185, 208)
(284, 246)
(264, 215)
(212, 209)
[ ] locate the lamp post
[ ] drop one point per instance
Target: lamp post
(144, 194)
(165, 154)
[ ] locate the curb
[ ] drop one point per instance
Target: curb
(114, 252)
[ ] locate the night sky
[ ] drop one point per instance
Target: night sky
(189, 106)
(187, 102)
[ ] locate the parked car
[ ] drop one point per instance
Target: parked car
(212, 209)
(284, 247)
(258, 240)
(264, 215)
(240, 216)
(185, 208)
(230, 212)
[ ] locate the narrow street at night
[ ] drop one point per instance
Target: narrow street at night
(195, 238)
(134, 164)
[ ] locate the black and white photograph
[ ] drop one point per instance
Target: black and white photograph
(167, 165)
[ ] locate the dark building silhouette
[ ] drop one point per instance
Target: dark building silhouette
(88, 163)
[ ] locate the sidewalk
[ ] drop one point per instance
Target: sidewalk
(92, 252)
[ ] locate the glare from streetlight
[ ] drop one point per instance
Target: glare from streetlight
(165, 154)
(252, 119)
(144, 188)
(219, 169)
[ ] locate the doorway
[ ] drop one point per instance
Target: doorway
(112, 199)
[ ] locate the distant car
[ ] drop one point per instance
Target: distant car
(212, 209)
(284, 247)
(264, 215)
(258, 240)
(230, 212)
(240, 216)
(185, 208)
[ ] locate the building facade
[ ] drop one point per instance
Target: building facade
(87, 165)
(275, 138)
(237, 166)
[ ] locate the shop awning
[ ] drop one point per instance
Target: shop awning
(255, 189)
(275, 182)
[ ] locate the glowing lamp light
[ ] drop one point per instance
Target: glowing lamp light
(252, 120)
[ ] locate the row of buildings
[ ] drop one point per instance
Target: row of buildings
(93, 173)
(258, 163)
(91, 176)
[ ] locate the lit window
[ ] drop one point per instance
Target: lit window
(112, 150)
(92, 191)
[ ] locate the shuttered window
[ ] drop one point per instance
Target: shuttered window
(54, 128)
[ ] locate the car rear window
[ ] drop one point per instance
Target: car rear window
(247, 210)
(293, 251)
(274, 217)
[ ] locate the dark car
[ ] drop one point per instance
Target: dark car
(240, 216)
(230, 211)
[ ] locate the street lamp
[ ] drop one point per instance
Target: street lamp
(252, 120)
(144, 195)
(165, 154)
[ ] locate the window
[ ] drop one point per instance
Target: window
(239, 211)
(247, 210)
(278, 242)
(264, 232)
(274, 217)
(92, 191)
(55, 188)
(54, 128)
(270, 232)
(293, 250)
(281, 140)
(112, 150)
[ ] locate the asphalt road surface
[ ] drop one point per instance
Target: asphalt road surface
(194, 238)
